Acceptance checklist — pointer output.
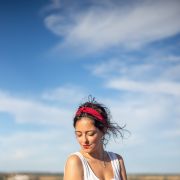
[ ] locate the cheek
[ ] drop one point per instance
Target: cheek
(79, 139)
(95, 140)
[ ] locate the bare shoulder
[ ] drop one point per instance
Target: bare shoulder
(73, 160)
(73, 168)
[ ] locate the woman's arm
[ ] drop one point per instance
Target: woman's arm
(73, 169)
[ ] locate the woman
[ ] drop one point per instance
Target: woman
(92, 127)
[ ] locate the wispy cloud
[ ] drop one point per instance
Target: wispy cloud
(101, 27)
(141, 111)
(146, 87)
(38, 149)
(26, 110)
(69, 94)
(117, 67)
(149, 118)
(151, 75)
(35, 149)
(147, 92)
(53, 5)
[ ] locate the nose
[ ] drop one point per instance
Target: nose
(85, 139)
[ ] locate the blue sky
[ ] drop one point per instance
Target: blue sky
(55, 53)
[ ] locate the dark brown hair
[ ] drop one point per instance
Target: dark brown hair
(108, 129)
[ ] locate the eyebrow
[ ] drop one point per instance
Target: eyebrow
(86, 131)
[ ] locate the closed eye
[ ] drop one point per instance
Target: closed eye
(78, 134)
(91, 133)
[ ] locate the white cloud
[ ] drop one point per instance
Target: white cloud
(172, 73)
(151, 75)
(118, 67)
(36, 150)
(141, 111)
(172, 133)
(54, 5)
(151, 119)
(159, 67)
(171, 58)
(131, 27)
(40, 150)
(171, 88)
(29, 111)
(68, 94)
(54, 23)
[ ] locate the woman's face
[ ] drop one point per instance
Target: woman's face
(88, 136)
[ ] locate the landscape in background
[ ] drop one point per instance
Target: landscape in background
(53, 176)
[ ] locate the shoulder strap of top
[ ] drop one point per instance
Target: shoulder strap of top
(115, 165)
(88, 174)
(84, 163)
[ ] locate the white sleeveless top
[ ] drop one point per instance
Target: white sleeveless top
(89, 174)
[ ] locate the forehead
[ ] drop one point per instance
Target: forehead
(85, 124)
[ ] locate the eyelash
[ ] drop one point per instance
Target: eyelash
(79, 135)
(91, 134)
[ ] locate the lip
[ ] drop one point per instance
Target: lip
(86, 146)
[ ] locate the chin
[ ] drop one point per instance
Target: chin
(90, 150)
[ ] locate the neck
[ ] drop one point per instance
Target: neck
(99, 154)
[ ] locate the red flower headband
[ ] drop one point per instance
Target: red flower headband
(92, 112)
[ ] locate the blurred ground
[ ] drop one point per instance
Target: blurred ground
(49, 176)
